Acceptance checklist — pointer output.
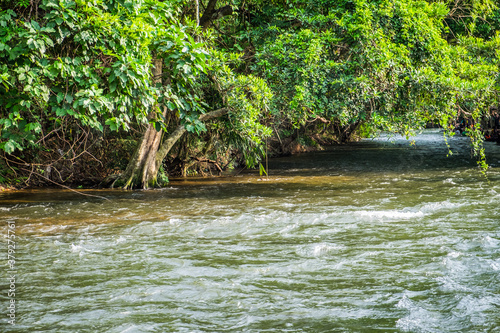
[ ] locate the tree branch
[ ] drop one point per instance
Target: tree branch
(207, 14)
(180, 130)
(211, 14)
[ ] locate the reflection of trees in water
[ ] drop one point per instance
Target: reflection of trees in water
(410, 160)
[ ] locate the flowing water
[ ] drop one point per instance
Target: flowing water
(378, 235)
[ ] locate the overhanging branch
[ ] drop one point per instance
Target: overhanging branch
(180, 130)
(211, 14)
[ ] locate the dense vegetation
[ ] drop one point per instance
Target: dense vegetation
(125, 92)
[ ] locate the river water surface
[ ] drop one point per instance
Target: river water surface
(378, 235)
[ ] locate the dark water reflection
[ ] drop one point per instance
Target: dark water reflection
(374, 236)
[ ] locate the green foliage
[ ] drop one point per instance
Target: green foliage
(480, 18)
(162, 177)
(247, 97)
(371, 65)
(297, 66)
(262, 170)
(185, 61)
(91, 62)
(385, 64)
(85, 60)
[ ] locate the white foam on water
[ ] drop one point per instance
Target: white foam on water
(409, 323)
(490, 242)
(322, 249)
(287, 229)
(454, 265)
(495, 265)
(318, 250)
(121, 239)
(405, 303)
(476, 308)
(132, 328)
(454, 254)
(493, 192)
(451, 285)
(418, 319)
(434, 207)
(76, 248)
(389, 214)
(52, 228)
(449, 181)
(172, 222)
(81, 250)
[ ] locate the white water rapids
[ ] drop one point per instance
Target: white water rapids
(377, 236)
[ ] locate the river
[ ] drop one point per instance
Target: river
(374, 236)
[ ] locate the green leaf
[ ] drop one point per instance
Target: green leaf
(9, 146)
(36, 127)
(60, 112)
(112, 86)
(158, 126)
(60, 97)
(262, 170)
(111, 122)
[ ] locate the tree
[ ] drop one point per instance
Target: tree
(110, 65)
(375, 65)
(243, 96)
(69, 70)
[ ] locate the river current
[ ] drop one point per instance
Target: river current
(375, 236)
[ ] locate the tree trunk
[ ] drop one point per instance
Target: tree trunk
(211, 14)
(142, 169)
(167, 145)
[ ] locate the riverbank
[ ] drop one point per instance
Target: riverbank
(97, 174)
(407, 156)
(5, 188)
